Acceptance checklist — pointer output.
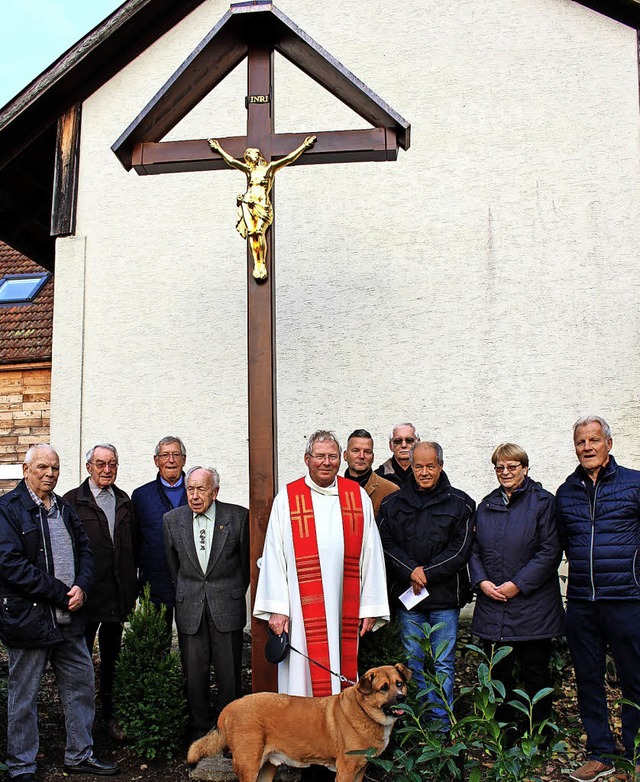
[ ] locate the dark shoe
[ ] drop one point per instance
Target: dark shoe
(26, 777)
(93, 765)
(114, 730)
(592, 770)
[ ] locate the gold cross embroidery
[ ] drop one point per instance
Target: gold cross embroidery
(301, 516)
(351, 513)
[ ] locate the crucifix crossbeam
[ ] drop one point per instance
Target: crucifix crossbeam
(336, 146)
(255, 30)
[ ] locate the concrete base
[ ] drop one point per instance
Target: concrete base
(219, 769)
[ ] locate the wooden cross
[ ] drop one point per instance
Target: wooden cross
(255, 30)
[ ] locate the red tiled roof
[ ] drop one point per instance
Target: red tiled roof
(25, 329)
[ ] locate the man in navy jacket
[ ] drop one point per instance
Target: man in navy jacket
(598, 510)
(150, 502)
(46, 571)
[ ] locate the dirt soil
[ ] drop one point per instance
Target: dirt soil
(136, 769)
(52, 741)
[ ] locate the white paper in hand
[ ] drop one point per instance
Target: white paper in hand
(410, 599)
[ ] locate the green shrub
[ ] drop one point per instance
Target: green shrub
(476, 746)
(149, 699)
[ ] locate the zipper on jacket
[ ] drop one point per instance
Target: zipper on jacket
(46, 561)
(592, 509)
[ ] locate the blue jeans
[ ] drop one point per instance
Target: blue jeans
(591, 626)
(411, 636)
(73, 669)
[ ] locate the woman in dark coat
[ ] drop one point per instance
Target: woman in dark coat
(514, 569)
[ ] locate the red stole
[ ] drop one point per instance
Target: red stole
(305, 544)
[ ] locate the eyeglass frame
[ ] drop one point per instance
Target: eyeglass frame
(101, 465)
(501, 469)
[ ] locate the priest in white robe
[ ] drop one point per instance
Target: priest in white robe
(278, 598)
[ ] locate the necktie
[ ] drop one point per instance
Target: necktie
(203, 548)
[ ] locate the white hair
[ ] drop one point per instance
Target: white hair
(33, 450)
(397, 426)
(108, 446)
(321, 436)
(215, 477)
(593, 419)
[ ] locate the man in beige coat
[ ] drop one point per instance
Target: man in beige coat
(359, 457)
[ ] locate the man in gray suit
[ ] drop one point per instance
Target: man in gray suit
(207, 547)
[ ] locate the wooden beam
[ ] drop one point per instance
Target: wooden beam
(224, 47)
(625, 11)
(213, 59)
(261, 339)
(305, 53)
(65, 174)
(336, 146)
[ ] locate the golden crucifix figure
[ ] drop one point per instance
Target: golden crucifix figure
(255, 210)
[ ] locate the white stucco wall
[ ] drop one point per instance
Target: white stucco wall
(484, 286)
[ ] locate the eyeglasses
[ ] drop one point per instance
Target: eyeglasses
(400, 440)
(507, 468)
(102, 465)
(175, 455)
(321, 457)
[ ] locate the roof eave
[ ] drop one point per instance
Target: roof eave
(223, 48)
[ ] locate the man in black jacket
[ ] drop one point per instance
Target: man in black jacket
(426, 531)
(106, 514)
(46, 571)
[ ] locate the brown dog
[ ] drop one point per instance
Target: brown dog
(267, 729)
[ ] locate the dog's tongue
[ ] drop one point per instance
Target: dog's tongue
(398, 712)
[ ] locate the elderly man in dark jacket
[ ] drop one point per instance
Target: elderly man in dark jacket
(598, 510)
(150, 502)
(106, 514)
(46, 571)
(426, 534)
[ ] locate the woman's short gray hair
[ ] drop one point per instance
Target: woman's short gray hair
(510, 451)
(321, 436)
(593, 419)
(215, 477)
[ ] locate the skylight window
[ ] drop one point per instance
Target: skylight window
(16, 288)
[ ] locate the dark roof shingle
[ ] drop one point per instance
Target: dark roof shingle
(25, 329)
